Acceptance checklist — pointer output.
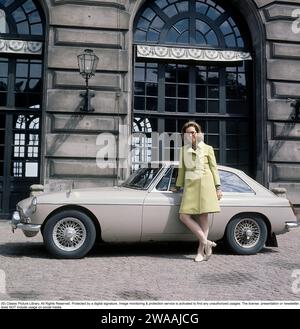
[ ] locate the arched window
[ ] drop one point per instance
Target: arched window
(198, 22)
(22, 26)
(21, 18)
(193, 62)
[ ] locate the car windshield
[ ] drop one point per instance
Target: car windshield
(142, 178)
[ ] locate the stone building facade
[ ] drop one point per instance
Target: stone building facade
(134, 92)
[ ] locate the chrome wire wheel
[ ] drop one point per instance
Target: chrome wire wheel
(69, 234)
(247, 233)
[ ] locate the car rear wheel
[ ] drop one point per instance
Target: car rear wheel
(246, 234)
(69, 234)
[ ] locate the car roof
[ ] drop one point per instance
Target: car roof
(176, 163)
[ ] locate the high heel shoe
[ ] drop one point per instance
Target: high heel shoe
(199, 258)
(200, 254)
(208, 248)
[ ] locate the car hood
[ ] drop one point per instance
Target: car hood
(100, 195)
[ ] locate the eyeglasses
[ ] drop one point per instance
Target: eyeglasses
(192, 133)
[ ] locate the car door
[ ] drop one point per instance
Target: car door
(160, 211)
(238, 197)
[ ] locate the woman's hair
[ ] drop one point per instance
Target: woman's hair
(191, 124)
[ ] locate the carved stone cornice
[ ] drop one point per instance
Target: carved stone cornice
(197, 54)
(21, 47)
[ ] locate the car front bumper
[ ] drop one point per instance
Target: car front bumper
(25, 227)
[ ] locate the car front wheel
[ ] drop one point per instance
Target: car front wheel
(69, 234)
(246, 234)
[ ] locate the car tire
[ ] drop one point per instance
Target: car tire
(69, 234)
(246, 234)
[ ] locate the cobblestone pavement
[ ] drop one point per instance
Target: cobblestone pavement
(160, 271)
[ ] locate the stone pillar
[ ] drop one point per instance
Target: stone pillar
(283, 84)
(70, 135)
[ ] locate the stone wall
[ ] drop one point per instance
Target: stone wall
(70, 147)
(283, 82)
(105, 26)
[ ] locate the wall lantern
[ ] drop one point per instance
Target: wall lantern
(87, 63)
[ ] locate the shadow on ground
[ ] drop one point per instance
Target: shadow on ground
(175, 250)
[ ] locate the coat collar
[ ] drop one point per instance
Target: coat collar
(191, 150)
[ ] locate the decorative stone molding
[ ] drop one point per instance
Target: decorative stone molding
(197, 54)
(21, 47)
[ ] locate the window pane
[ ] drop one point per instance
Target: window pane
(152, 35)
(213, 92)
(213, 13)
(182, 6)
(139, 74)
(22, 69)
(29, 6)
(151, 89)
(35, 70)
(170, 90)
(213, 127)
(232, 183)
(19, 15)
(170, 125)
(183, 91)
(212, 39)
(201, 77)
(31, 169)
(151, 75)
(170, 73)
(139, 88)
(213, 107)
(170, 105)
(171, 11)
(183, 105)
(183, 73)
(201, 91)
(3, 67)
(214, 141)
(23, 28)
(139, 103)
(164, 182)
(3, 84)
(201, 106)
(151, 104)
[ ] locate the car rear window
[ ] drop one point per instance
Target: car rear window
(231, 182)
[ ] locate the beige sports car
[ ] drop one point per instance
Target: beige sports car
(144, 208)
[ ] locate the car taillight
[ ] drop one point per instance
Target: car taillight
(293, 208)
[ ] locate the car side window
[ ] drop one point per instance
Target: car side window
(174, 177)
(163, 184)
(231, 182)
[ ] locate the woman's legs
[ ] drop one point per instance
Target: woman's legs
(193, 226)
(198, 232)
(203, 223)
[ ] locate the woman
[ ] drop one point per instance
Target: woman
(199, 176)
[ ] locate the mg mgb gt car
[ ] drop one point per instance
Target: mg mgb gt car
(144, 208)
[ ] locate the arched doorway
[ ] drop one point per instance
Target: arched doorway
(21, 70)
(193, 62)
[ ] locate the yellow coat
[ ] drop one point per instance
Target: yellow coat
(198, 175)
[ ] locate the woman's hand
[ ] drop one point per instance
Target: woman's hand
(219, 194)
(174, 189)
